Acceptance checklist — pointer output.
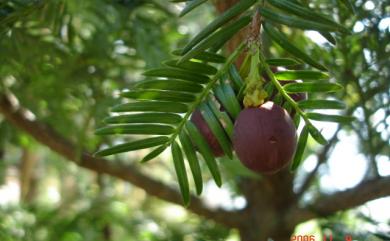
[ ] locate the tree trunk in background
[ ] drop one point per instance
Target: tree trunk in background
(28, 178)
(2, 165)
(268, 199)
(106, 228)
(68, 189)
(222, 6)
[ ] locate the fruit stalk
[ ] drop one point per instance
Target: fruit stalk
(254, 91)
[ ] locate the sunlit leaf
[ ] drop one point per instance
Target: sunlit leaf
(312, 87)
(301, 75)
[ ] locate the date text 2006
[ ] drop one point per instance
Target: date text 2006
(313, 238)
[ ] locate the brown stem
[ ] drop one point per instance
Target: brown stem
(255, 30)
(44, 134)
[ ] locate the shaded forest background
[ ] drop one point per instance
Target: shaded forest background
(62, 64)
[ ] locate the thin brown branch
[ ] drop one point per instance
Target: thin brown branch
(17, 116)
(329, 204)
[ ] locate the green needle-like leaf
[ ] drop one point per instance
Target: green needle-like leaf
(301, 75)
(154, 153)
(312, 87)
(329, 37)
(204, 56)
(177, 73)
(192, 66)
(231, 105)
(224, 118)
(170, 84)
(330, 118)
(297, 121)
(298, 22)
(348, 4)
(228, 15)
(321, 104)
(159, 95)
(191, 5)
(136, 129)
(145, 106)
(282, 62)
(135, 145)
(224, 34)
(181, 172)
(231, 98)
(235, 77)
(300, 148)
(206, 152)
(306, 13)
(160, 118)
(188, 148)
(216, 129)
(284, 42)
(316, 134)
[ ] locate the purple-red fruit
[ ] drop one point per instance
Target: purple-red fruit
(264, 138)
(206, 132)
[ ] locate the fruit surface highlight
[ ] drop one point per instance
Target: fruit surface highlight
(264, 138)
